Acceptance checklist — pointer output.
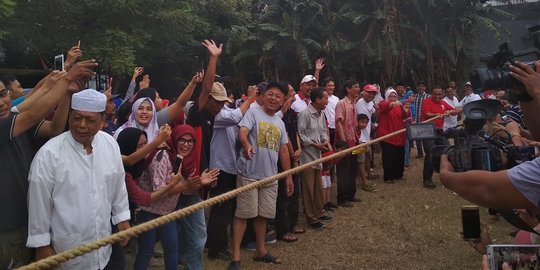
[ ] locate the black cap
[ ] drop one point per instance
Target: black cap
(421, 82)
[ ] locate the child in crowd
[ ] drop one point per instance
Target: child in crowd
(409, 99)
(326, 178)
(363, 152)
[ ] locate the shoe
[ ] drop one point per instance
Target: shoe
(389, 181)
(317, 225)
(270, 238)
(234, 265)
(355, 199)
(368, 188)
(328, 208)
(325, 218)
(345, 204)
(251, 246)
(429, 184)
(223, 255)
(332, 205)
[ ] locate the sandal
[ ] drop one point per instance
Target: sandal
(267, 258)
(288, 238)
(298, 230)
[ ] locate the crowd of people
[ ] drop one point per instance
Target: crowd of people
(144, 157)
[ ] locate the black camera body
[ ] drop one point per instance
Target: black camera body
(496, 74)
(470, 150)
(473, 149)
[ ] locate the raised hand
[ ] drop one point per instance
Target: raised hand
(164, 134)
(73, 54)
(213, 49)
(194, 182)
(137, 72)
(79, 85)
(528, 76)
(81, 70)
(208, 177)
(197, 78)
(319, 63)
(145, 82)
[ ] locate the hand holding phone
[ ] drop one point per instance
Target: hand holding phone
(470, 217)
(59, 62)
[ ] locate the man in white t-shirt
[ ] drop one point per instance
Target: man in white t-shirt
(365, 105)
(450, 121)
(330, 110)
(302, 98)
(470, 96)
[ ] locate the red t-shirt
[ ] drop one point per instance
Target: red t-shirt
(391, 120)
(429, 106)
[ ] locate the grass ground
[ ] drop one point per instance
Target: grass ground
(402, 226)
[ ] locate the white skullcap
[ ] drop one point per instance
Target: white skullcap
(88, 100)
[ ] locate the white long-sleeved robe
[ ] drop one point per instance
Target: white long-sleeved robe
(73, 197)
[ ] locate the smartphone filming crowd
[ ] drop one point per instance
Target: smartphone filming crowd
(129, 160)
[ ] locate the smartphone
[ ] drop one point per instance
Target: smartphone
(177, 164)
(517, 256)
(59, 62)
(470, 218)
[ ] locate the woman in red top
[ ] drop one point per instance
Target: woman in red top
(391, 115)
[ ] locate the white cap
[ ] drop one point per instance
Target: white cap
(308, 78)
(88, 100)
(468, 83)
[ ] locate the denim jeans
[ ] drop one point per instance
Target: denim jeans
(147, 240)
(191, 234)
(407, 152)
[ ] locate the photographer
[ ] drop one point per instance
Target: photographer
(514, 188)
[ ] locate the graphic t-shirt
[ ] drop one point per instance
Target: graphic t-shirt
(266, 135)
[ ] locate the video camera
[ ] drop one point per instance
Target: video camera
(496, 74)
(473, 149)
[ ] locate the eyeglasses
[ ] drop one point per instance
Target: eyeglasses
(184, 141)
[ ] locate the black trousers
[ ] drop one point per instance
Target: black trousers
(287, 208)
(393, 159)
(346, 178)
(420, 148)
(428, 164)
(220, 214)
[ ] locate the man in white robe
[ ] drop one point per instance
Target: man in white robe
(77, 188)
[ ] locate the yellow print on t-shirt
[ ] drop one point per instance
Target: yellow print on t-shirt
(268, 136)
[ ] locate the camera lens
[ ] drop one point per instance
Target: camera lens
(484, 78)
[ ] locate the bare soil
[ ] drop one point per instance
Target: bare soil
(402, 226)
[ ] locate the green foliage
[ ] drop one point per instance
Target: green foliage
(376, 40)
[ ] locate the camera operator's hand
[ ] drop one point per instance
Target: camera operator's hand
(485, 239)
(485, 264)
(529, 77)
(445, 165)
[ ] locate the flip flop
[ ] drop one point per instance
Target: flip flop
(267, 258)
(299, 230)
(289, 238)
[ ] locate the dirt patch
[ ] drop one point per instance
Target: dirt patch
(402, 226)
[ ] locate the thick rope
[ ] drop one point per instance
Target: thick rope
(56, 259)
